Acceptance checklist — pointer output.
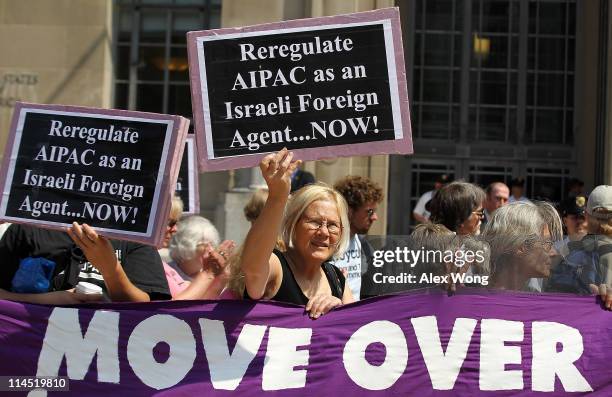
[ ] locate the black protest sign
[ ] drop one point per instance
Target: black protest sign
(325, 86)
(187, 187)
(109, 169)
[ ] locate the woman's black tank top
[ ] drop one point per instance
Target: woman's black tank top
(290, 291)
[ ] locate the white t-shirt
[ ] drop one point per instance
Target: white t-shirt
(351, 262)
(420, 206)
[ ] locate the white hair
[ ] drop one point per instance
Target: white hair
(192, 231)
(517, 224)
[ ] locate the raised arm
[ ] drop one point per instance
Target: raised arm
(257, 262)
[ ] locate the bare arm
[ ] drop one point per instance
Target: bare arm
(347, 296)
(99, 251)
(205, 285)
(420, 218)
(418, 212)
(257, 261)
(50, 298)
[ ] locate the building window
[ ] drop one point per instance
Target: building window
(437, 64)
(471, 59)
(545, 182)
(424, 176)
(494, 71)
(550, 72)
(484, 174)
(151, 68)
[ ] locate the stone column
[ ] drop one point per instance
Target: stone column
(374, 167)
(229, 214)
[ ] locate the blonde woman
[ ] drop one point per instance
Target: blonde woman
(314, 227)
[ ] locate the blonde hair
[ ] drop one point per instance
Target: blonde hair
(426, 230)
(296, 206)
(176, 210)
(599, 225)
(236, 282)
(437, 237)
(299, 202)
(253, 208)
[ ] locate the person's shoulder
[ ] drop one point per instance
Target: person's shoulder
(130, 244)
(604, 245)
(278, 256)
(125, 248)
(36, 233)
(425, 197)
(428, 194)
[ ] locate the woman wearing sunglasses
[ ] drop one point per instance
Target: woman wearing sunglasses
(459, 207)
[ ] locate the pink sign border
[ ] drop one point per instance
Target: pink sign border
(193, 173)
(397, 146)
(168, 180)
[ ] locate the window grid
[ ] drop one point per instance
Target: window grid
(484, 175)
(444, 114)
(424, 175)
(547, 183)
(548, 123)
(546, 110)
(151, 63)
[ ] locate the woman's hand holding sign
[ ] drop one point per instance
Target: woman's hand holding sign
(100, 252)
(321, 304)
(98, 249)
(604, 292)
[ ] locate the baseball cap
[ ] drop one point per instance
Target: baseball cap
(600, 198)
(573, 205)
(444, 179)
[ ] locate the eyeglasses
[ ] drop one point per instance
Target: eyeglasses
(315, 224)
(479, 213)
(546, 245)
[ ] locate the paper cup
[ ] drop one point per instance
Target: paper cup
(88, 288)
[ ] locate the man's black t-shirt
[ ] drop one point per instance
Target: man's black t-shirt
(141, 263)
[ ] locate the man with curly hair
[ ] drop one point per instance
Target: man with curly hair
(362, 196)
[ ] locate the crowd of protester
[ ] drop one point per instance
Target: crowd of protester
(307, 246)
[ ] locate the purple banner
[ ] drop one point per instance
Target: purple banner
(417, 344)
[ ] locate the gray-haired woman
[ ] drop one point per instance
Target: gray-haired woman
(521, 236)
(200, 268)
